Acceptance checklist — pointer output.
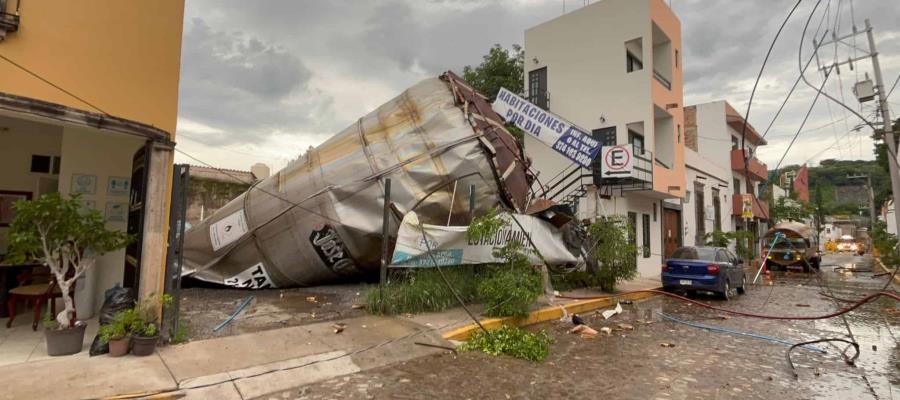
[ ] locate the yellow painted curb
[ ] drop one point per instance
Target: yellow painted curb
(544, 314)
(886, 269)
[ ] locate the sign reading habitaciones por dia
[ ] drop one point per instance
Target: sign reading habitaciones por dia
(562, 136)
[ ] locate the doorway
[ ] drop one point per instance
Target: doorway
(671, 231)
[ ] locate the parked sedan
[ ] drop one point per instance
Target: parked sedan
(704, 269)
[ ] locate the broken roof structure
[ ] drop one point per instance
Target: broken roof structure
(319, 219)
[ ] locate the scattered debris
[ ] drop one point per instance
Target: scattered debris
(577, 320)
(234, 314)
(437, 346)
(667, 344)
(874, 347)
(627, 302)
(311, 299)
(357, 306)
(802, 305)
(609, 313)
(585, 331)
(818, 371)
(339, 327)
(606, 330)
(625, 327)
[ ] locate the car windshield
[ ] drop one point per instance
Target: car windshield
(796, 243)
(695, 253)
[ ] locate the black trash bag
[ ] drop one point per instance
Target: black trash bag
(116, 299)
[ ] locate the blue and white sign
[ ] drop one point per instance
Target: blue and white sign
(562, 136)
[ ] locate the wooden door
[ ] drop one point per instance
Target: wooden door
(671, 231)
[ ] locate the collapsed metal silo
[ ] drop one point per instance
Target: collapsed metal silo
(319, 219)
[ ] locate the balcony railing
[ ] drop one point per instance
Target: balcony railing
(760, 208)
(755, 168)
(661, 79)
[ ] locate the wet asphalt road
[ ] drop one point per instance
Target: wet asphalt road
(632, 364)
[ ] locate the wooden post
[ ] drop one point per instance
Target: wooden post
(156, 222)
(385, 228)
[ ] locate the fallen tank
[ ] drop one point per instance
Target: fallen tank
(790, 245)
(319, 220)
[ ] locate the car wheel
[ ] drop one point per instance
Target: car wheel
(741, 289)
(726, 293)
(806, 267)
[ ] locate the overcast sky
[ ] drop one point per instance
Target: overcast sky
(262, 81)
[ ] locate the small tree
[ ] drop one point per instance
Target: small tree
(499, 68)
(615, 254)
(56, 231)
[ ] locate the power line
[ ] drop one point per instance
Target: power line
(759, 75)
(797, 81)
(42, 79)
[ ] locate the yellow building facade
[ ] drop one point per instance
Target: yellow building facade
(88, 105)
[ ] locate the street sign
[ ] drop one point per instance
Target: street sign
(562, 136)
(747, 206)
(617, 161)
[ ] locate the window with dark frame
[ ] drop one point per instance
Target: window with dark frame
(632, 62)
(717, 209)
(636, 140)
(646, 235)
(699, 212)
(632, 230)
(57, 162)
(40, 164)
(734, 143)
(737, 187)
(606, 136)
(537, 88)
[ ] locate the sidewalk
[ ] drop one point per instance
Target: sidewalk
(256, 364)
(234, 367)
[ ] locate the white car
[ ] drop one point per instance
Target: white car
(847, 243)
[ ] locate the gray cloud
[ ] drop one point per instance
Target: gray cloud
(292, 67)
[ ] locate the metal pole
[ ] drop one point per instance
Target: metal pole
(452, 200)
(888, 124)
(385, 227)
(871, 203)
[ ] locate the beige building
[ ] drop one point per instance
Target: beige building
(614, 68)
(714, 134)
(88, 104)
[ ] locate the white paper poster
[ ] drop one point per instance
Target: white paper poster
(450, 246)
(254, 277)
(227, 230)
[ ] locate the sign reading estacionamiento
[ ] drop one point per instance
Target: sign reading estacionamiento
(562, 136)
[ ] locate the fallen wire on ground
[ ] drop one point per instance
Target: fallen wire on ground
(849, 360)
(738, 333)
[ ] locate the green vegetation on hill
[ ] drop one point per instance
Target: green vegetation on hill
(830, 174)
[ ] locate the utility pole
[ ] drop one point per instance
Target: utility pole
(871, 196)
(888, 126)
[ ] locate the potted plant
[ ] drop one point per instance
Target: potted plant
(117, 332)
(146, 332)
(57, 232)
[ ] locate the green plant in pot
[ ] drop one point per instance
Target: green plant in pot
(59, 233)
(146, 332)
(118, 332)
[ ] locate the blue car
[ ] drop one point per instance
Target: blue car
(704, 269)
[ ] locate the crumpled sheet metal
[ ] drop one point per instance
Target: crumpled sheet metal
(319, 219)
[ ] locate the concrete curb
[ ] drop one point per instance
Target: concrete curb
(545, 314)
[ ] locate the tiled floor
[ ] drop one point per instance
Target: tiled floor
(19, 344)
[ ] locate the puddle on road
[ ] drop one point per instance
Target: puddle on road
(874, 329)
